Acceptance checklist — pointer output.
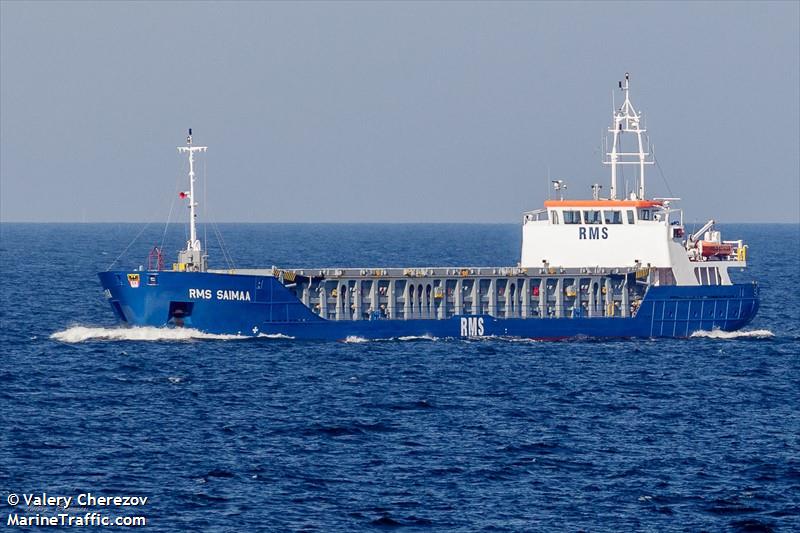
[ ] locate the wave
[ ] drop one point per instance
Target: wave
(416, 338)
(274, 336)
(355, 339)
(719, 334)
(504, 338)
(82, 333)
(78, 334)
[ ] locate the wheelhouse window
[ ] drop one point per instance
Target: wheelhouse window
(554, 217)
(644, 214)
(592, 217)
(631, 218)
(540, 215)
(572, 217)
(612, 217)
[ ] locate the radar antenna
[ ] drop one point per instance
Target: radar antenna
(627, 120)
(559, 186)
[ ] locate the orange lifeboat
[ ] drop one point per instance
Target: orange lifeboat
(711, 249)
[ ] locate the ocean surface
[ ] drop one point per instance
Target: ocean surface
(229, 434)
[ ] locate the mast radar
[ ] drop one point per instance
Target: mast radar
(559, 186)
(627, 120)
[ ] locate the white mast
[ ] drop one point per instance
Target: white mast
(191, 258)
(627, 120)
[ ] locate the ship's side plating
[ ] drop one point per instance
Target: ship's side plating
(540, 306)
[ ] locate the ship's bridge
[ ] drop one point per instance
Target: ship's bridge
(606, 212)
(605, 233)
(631, 231)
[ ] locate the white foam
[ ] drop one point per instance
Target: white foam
(274, 336)
(503, 338)
(719, 334)
(417, 338)
(82, 333)
(355, 339)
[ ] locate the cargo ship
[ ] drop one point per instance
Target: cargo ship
(618, 266)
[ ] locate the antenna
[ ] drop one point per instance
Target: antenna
(559, 186)
(627, 120)
(192, 255)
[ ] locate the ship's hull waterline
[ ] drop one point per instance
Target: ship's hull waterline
(552, 307)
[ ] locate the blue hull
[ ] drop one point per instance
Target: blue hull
(253, 305)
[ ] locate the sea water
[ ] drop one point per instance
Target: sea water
(224, 433)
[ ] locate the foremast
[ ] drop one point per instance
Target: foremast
(627, 120)
(192, 257)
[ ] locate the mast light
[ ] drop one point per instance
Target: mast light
(559, 186)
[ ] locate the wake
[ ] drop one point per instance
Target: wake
(719, 334)
(354, 339)
(78, 334)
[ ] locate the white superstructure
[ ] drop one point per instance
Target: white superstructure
(612, 233)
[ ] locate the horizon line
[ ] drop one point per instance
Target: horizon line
(331, 222)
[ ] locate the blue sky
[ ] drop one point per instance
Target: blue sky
(391, 112)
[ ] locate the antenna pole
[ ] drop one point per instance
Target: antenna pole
(613, 156)
(627, 120)
(192, 256)
(193, 242)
